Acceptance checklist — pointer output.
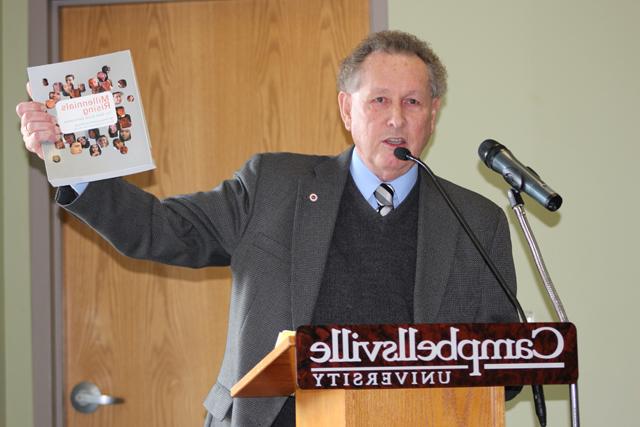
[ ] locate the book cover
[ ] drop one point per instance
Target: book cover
(99, 111)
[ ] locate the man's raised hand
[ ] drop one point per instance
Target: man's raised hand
(36, 125)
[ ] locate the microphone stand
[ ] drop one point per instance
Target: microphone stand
(517, 204)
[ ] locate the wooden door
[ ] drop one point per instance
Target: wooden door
(220, 80)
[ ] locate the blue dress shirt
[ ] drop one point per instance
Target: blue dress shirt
(367, 182)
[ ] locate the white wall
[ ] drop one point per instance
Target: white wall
(558, 82)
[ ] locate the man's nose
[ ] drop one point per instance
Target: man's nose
(396, 116)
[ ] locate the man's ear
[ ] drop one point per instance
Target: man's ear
(435, 107)
(344, 102)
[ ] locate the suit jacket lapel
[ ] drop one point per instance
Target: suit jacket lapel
(317, 204)
(437, 235)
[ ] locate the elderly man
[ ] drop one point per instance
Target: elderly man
(362, 237)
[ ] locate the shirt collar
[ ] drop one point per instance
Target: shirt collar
(367, 181)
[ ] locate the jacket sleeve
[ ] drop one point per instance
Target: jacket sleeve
(193, 230)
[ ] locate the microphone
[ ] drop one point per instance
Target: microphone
(497, 157)
(404, 154)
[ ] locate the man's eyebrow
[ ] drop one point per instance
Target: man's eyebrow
(382, 90)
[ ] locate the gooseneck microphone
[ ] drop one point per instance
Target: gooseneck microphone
(404, 154)
(497, 157)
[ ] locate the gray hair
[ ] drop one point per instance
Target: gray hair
(392, 42)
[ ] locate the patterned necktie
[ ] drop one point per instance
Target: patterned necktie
(384, 197)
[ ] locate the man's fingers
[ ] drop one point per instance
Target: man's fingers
(37, 138)
(36, 125)
(25, 107)
(37, 117)
(32, 145)
(33, 127)
(34, 141)
(37, 149)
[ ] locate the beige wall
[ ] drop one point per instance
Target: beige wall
(556, 82)
(15, 307)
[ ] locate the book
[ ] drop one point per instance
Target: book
(98, 107)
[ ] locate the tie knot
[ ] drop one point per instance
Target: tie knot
(384, 197)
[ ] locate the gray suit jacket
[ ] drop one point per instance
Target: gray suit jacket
(273, 223)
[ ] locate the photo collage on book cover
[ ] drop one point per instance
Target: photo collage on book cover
(92, 142)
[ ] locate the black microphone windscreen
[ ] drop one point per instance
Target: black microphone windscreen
(488, 146)
(402, 153)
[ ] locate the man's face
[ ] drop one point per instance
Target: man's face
(391, 107)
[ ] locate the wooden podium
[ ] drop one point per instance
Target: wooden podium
(275, 375)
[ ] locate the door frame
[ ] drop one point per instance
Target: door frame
(46, 229)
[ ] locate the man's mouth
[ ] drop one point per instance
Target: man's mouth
(395, 141)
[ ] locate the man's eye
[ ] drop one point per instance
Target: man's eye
(378, 99)
(413, 101)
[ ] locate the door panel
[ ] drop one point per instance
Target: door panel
(219, 80)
